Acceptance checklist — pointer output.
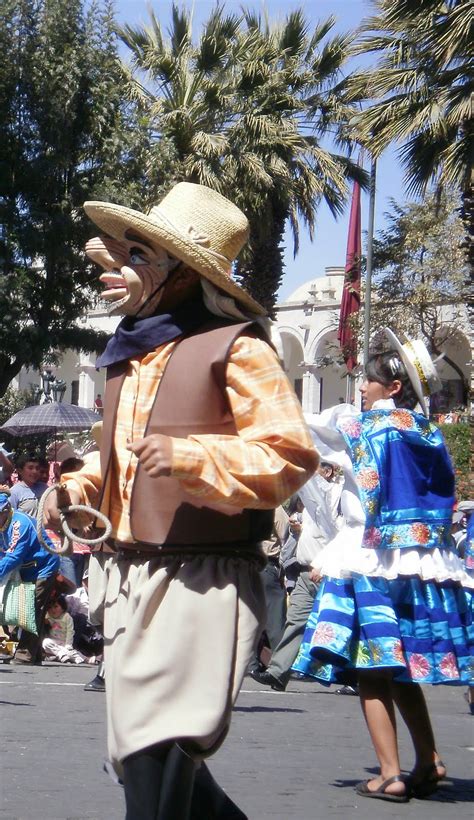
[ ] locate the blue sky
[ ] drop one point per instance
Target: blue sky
(329, 244)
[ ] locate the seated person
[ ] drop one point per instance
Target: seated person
(87, 637)
(58, 645)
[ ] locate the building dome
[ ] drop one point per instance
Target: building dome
(325, 288)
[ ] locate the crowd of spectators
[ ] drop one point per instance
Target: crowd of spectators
(65, 634)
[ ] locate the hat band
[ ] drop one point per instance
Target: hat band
(198, 238)
(416, 363)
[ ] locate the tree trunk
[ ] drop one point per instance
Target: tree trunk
(261, 269)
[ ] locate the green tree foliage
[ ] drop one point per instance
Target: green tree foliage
(419, 270)
(64, 138)
(13, 401)
(458, 439)
(246, 109)
(420, 88)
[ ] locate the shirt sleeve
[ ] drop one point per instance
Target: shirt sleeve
(272, 455)
(18, 549)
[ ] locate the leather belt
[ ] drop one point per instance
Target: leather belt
(131, 551)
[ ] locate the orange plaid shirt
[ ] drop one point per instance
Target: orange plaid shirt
(270, 458)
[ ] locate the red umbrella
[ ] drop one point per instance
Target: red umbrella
(351, 292)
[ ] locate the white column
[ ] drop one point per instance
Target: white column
(87, 385)
(311, 391)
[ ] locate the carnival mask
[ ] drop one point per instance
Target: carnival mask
(134, 273)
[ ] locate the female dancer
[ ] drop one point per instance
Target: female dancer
(395, 607)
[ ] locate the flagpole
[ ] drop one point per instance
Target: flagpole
(370, 249)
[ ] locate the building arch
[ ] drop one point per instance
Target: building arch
(454, 370)
(293, 357)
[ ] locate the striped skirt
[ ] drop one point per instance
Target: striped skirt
(422, 630)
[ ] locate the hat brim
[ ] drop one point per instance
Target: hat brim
(409, 367)
(116, 220)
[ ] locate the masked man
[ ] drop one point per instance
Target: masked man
(202, 438)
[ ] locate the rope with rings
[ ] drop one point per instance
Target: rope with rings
(69, 535)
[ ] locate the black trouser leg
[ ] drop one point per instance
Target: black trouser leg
(158, 783)
(210, 802)
(142, 779)
(177, 785)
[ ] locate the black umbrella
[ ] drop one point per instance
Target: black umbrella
(50, 418)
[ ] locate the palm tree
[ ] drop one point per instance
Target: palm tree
(420, 95)
(245, 109)
(422, 87)
(290, 97)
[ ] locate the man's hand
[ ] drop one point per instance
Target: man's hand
(155, 454)
(55, 501)
(314, 576)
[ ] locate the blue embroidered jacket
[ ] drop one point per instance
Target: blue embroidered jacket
(404, 476)
(469, 549)
(20, 549)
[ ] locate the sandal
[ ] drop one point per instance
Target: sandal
(469, 702)
(427, 781)
(381, 794)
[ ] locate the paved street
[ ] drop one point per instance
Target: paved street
(292, 755)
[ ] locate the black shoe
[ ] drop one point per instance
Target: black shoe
(347, 690)
(97, 684)
(268, 680)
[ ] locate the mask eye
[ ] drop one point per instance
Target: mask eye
(137, 256)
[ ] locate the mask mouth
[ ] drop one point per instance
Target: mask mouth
(116, 287)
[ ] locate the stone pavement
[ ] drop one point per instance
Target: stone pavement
(289, 756)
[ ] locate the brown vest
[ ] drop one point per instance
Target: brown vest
(190, 400)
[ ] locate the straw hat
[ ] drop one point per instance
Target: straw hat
(193, 223)
(419, 366)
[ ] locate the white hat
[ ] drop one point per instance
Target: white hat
(60, 451)
(193, 223)
(419, 366)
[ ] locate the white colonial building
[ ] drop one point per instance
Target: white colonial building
(307, 323)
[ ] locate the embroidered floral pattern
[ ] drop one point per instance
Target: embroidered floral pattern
(372, 538)
(402, 419)
(360, 452)
(421, 532)
(15, 536)
(368, 479)
(449, 667)
(324, 633)
(371, 506)
(362, 655)
(470, 666)
(376, 651)
(397, 652)
(420, 667)
(351, 427)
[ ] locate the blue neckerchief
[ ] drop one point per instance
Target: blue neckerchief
(135, 336)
